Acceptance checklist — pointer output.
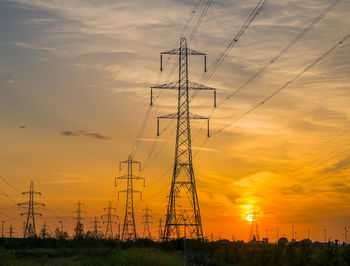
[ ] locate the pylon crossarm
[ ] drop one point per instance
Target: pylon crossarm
(138, 178)
(119, 177)
(194, 116)
(169, 116)
(173, 51)
(136, 191)
(122, 191)
(38, 203)
(170, 85)
(194, 52)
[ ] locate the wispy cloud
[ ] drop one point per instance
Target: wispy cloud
(338, 167)
(84, 133)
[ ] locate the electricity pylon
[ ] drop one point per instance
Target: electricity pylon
(129, 228)
(160, 229)
(146, 221)
(346, 234)
(11, 232)
(79, 227)
(183, 194)
(43, 232)
(2, 228)
(30, 230)
(254, 230)
(109, 222)
(96, 227)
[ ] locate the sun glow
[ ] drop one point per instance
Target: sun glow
(249, 217)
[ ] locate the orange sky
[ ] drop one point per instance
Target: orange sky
(77, 76)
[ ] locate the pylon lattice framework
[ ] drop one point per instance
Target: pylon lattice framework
(129, 228)
(183, 194)
(109, 222)
(30, 228)
(96, 226)
(79, 227)
(254, 229)
(146, 221)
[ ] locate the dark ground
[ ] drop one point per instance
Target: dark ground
(90, 251)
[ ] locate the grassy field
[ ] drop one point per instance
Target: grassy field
(89, 251)
(90, 256)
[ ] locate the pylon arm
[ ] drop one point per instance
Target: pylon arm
(173, 51)
(34, 192)
(133, 191)
(138, 177)
(119, 177)
(175, 86)
(127, 161)
(25, 213)
(175, 115)
(177, 52)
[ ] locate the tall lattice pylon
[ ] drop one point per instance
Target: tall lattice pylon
(183, 194)
(109, 223)
(160, 229)
(129, 228)
(146, 222)
(79, 227)
(30, 229)
(254, 229)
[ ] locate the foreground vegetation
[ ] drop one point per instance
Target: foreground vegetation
(89, 251)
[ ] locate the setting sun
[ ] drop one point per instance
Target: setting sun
(249, 217)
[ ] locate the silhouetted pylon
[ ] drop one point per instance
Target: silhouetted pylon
(160, 229)
(146, 221)
(96, 226)
(109, 222)
(11, 231)
(30, 230)
(43, 232)
(183, 193)
(254, 230)
(79, 227)
(129, 228)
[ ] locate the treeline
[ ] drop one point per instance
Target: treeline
(145, 252)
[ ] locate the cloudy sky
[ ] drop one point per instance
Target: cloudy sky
(74, 98)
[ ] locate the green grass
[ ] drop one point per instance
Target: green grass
(90, 256)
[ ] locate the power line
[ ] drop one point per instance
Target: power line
(285, 85)
(284, 50)
(215, 65)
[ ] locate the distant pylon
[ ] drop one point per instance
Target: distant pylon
(24, 229)
(79, 227)
(96, 227)
(346, 234)
(146, 221)
(109, 222)
(2, 228)
(160, 229)
(44, 230)
(183, 194)
(30, 230)
(118, 236)
(254, 229)
(129, 228)
(11, 232)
